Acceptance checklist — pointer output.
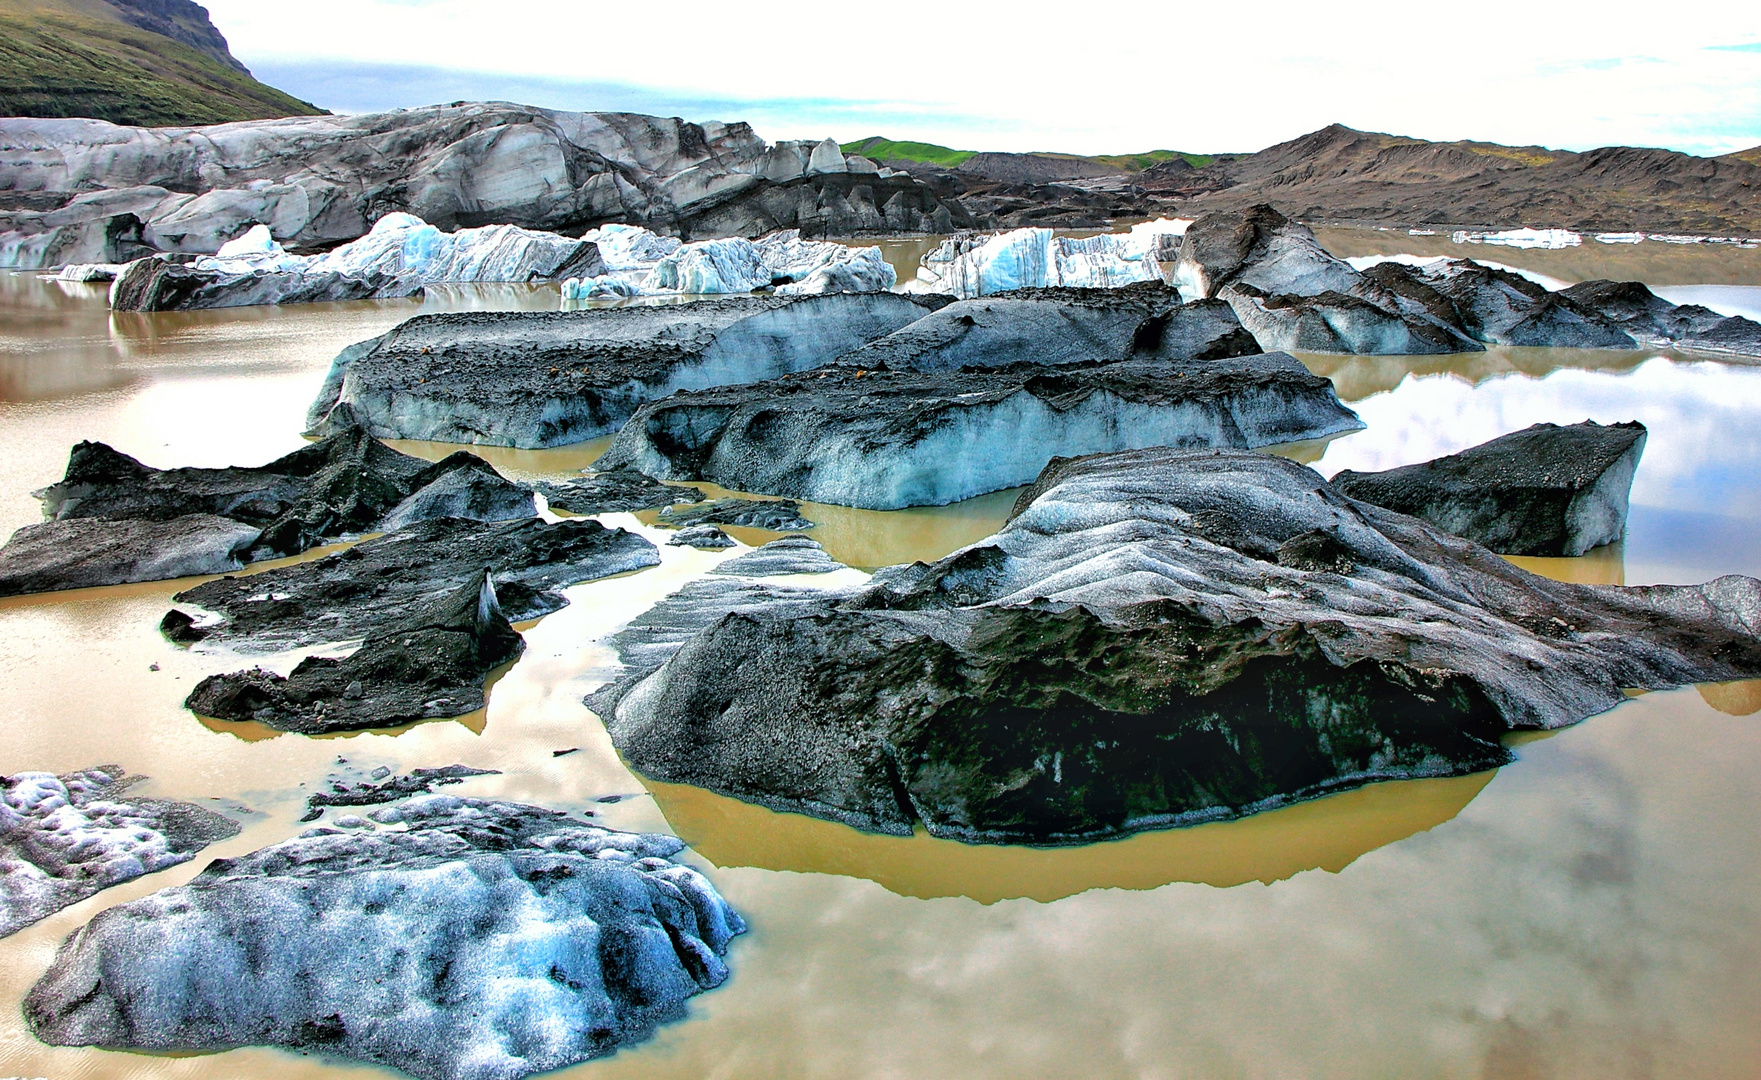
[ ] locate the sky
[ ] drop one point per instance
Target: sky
(1124, 76)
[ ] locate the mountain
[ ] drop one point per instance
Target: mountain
(1340, 175)
(1033, 168)
(143, 62)
(1752, 155)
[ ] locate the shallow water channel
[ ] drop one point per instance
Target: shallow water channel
(1593, 908)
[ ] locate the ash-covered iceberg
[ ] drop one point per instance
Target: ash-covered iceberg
(1544, 490)
(64, 838)
(978, 265)
(400, 256)
(1156, 638)
(647, 265)
(536, 379)
(112, 519)
(466, 940)
(1058, 326)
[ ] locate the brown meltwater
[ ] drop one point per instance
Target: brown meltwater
(1592, 909)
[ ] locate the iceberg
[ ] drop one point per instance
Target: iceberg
(648, 265)
(65, 838)
(404, 246)
(398, 257)
(1365, 262)
(1520, 238)
(973, 266)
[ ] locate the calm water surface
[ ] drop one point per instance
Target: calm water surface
(1593, 909)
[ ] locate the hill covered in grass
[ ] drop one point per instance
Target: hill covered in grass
(1037, 167)
(141, 62)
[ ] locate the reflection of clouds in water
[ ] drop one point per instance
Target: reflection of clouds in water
(1592, 909)
(1744, 300)
(1701, 454)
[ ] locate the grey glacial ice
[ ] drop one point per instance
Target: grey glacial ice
(103, 193)
(538, 379)
(1050, 326)
(776, 515)
(65, 838)
(1293, 295)
(364, 590)
(883, 439)
(399, 256)
(112, 519)
(1545, 490)
(450, 938)
(617, 490)
(980, 264)
(1156, 638)
(783, 261)
(702, 537)
(428, 663)
(789, 555)
(86, 552)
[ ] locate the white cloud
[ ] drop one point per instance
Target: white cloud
(1138, 74)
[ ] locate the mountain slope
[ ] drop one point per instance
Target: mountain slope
(143, 62)
(1341, 175)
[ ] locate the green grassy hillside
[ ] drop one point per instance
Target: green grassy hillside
(893, 150)
(883, 149)
(80, 58)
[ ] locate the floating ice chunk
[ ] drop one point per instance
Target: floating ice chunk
(734, 265)
(90, 271)
(255, 241)
(712, 266)
(1159, 239)
(631, 247)
(1620, 238)
(1521, 238)
(1364, 262)
(403, 246)
(64, 838)
(1036, 258)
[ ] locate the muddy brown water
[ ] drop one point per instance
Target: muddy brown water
(1592, 909)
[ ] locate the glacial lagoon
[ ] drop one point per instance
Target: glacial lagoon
(1593, 908)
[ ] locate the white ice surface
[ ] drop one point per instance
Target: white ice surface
(1037, 258)
(1520, 238)
(643, 264)
(405, 246)
(1364, 262)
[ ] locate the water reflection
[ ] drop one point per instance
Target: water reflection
(1326, 834)
(1699, 458)
(1653, 262)
(1605, 565)
(1742, 698)
(1358, 377)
